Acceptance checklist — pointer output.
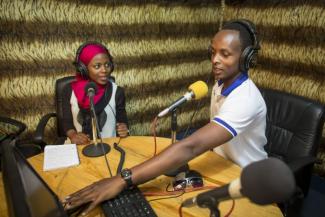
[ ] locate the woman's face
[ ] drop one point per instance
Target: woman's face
(225, 54)
(99, 68)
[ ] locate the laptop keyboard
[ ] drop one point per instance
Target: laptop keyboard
(129, 203)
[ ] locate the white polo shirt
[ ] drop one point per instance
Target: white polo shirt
(241, 110)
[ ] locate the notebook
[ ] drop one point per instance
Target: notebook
(60, 156)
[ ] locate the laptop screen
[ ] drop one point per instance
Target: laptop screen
(40, 199)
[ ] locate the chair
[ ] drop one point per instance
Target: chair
(60, 85)
(40, 129)
(11, 129)
(293, 130)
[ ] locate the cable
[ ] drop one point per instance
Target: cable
(231, 209)
(100, 136)
(180, 213)
(164, 198)
(173, 192)
(153, 130)
(180, 210)
(195, 111)
(122, 158)
(106, 160)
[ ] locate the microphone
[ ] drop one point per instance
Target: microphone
(95, 149)
(91, 89)
(263, 182)
(197, 90)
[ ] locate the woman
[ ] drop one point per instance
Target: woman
(94, 64)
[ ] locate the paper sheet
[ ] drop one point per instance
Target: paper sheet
(60, 156)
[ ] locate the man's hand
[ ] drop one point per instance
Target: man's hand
(95, 193)
(77, 138)
(122, 130)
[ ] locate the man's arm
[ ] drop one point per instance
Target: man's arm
(204, 139)
(207, 137)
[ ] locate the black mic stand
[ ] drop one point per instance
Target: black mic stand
(95, 149)
(185, 167)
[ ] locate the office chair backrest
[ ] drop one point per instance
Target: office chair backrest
(60, 85)
(293, 130)
(294, 125)
(10, 127)
(27, 194)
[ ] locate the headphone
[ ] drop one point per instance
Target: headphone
(248, 57)
(81, 68)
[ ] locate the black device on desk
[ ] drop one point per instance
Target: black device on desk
(129, 203)
(27, 195)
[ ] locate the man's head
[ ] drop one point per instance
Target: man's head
(233, 49)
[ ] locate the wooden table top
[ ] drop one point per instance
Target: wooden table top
(215, 170)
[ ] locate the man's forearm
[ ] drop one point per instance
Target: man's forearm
(166, 160)
(181, 152)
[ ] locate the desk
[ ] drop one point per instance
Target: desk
(215, 170)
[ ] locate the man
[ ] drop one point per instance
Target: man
(237, 128)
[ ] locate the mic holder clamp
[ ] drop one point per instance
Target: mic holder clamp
(211, 203)
(96, 149)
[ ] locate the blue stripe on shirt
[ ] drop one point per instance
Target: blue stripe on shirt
(223, 123)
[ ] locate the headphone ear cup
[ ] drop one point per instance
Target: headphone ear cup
(243, 61)
(82, 69)
(251, 58)
(112, 64)
(247, 58)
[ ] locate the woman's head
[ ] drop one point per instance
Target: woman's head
(94, 62)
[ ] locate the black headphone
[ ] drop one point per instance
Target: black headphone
(81, 68)
(249, 54)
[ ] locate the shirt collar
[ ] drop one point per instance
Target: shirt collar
(241, 78)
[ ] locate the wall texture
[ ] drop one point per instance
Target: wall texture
(159, 49)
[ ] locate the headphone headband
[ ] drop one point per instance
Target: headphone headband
(250, 27)
(249, 54)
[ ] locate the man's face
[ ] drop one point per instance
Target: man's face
(226, 51)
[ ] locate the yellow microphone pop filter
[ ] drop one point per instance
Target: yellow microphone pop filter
(199, 88)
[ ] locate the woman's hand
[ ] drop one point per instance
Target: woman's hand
(122, 130)
(95, 193)
(77, 138)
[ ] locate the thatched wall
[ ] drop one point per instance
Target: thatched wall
(159, 48)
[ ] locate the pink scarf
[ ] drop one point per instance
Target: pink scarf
(78, 88)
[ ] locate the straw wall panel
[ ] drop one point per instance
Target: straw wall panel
(159, 48)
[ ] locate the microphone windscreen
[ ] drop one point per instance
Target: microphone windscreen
(91, 85)
(267, 181)
(199, 88)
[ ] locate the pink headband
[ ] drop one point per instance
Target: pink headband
(89, 52)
